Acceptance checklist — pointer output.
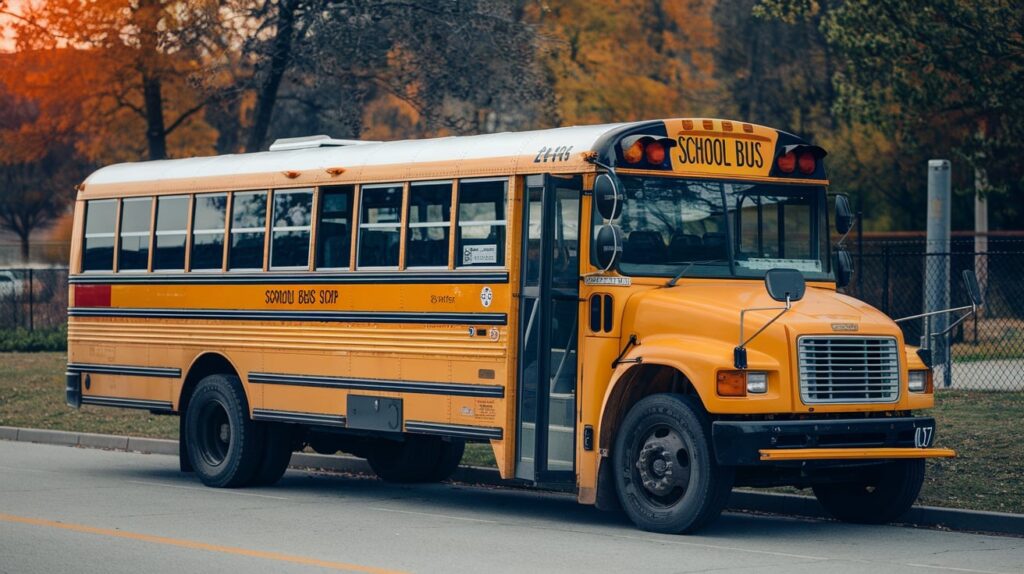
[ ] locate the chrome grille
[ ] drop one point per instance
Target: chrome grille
(849, 369)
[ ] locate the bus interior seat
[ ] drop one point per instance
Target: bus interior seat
(714, 245)
(644, 247)
(685, 247)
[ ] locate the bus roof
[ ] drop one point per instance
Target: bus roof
(557, 150)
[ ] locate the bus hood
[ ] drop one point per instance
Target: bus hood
(711, 309)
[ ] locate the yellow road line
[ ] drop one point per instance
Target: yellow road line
(343, 566)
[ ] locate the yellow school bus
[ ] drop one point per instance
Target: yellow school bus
(644, 314)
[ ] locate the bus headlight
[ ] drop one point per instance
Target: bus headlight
(919, 381)
(757, 382)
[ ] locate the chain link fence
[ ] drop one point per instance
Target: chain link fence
(34, 298)
(987, 350)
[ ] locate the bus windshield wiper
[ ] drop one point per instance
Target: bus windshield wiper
(687, 265)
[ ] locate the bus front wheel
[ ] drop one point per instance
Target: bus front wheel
(224, 445)
(877, 495)
(665, 473)
(416, 459)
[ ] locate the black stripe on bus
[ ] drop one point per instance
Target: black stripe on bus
(297, 417)
(421, 387)
(126, 403)
(319, 316)
(129, 370)
(271, 278)
(459, 431)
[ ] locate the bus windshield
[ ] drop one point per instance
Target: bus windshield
(722, 228)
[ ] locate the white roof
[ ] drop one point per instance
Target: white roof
(354, 157)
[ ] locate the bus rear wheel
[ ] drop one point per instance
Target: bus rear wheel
(224, 445)
(877, 496)
(665, 473)
(416, 459)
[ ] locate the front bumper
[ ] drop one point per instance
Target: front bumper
(740, 443)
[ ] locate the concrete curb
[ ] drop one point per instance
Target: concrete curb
(772, 503)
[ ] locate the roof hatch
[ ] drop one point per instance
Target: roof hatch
(307, 142)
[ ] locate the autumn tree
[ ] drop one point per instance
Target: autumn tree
(118, 71)
(944, 74)
(618, 61)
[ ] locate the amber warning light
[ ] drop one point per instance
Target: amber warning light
(646, 151)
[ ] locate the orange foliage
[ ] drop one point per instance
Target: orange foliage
(629, 60)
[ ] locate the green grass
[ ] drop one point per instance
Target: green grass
(983, 427)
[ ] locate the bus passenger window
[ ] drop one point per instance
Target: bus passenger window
(333, 234)
(481, 231)
(248, 227)
(208, 231)
(171, 230)
(98, 251)
(134, 246)
(430, 207)
(380, 226)
(289, 238)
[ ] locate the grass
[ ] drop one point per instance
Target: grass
(982, 426)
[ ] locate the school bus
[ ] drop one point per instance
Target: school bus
(645, 314)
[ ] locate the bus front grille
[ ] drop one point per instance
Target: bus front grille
(848, 369)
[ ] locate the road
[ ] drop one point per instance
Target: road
(66, 509)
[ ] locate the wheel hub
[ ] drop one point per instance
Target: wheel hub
(663, 463)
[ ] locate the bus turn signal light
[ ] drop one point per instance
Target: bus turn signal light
(787, 162)
(807, 163)
(732, 383)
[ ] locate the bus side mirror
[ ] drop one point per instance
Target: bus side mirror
(844, 215)
(785, 285)
(608, 247)
(973, 291)
(608, 196)
(844, 268)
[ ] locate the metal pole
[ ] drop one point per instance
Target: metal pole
(936, 285)
(31, 302)
(860, 252)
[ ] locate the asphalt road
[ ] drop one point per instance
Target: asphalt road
(67, 509)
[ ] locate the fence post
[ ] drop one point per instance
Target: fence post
(31, 302)
(936, 285)
(885, 279)
(860, 253)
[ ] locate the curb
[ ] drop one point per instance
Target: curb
(770, 503)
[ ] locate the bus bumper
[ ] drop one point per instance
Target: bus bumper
(740, 443)
(73, 390)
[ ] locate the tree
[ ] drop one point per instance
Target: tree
(945, 73)
(33, 194)
(122, 66)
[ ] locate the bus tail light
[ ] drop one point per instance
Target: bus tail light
(787, 162)
(807, 163)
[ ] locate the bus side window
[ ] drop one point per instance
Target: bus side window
(481, 230)
(171, 232)
(430, 208)
(289, 238)
(380, 226)
(98, 250)
(134, 244)
(208, 231)
(248, 227)
(333, 235)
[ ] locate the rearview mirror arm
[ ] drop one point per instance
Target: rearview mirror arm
(739, 354)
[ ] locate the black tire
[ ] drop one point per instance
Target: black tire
(879, 495)
(224, 445)
(416, 459)
(666, 475)
(278, 443)
(448, 461)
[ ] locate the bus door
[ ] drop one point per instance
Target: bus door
(549, 305)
